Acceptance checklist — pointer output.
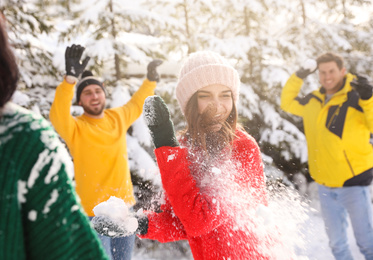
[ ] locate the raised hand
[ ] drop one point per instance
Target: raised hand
(363, 87)
(307, 68)
(158, 119)
(152, 70)
(74, 67)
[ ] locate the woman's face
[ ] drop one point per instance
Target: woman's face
(218, 100)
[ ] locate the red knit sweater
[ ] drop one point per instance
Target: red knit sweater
(203, 211)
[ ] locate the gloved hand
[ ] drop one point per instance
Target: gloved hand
(307, 68)
(110, 228)
(363, 87)
(73, 65)
(152, 70)
(158, 119)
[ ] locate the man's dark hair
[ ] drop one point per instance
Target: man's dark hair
(8, 66)
(330, 56)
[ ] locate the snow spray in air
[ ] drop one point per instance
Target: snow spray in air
(272, 220)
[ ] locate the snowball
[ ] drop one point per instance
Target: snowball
(114, 208)
(117, 211)
(131, 224)
(310, 64)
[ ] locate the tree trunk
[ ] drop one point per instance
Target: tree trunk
(250, 57)
(186, 17)
(304, 16)
(344, 8)
(114, 34)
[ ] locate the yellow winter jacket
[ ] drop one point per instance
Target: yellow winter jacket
(98, 146)
(337, 133)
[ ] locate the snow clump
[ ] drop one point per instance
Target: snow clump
(310, 64)
(118, 211)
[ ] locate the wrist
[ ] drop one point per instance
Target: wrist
(366, 96)
(71, 79)
(143, 225)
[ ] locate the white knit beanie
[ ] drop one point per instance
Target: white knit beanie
(202, 69)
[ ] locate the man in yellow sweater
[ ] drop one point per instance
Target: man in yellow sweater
(97, 139)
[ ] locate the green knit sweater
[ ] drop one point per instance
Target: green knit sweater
(40, 217)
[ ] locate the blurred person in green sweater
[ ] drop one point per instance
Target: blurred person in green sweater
(40, 215)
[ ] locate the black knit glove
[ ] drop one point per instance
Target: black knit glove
(307, 68)
(107, 227)
(152, 70)
(158, 119)
(73, 65)
(363, 87)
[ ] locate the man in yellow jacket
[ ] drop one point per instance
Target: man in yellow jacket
(97, 139)
(338, 122)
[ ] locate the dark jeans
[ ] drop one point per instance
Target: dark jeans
(119, 248)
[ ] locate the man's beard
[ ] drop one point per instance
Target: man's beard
(93, 112)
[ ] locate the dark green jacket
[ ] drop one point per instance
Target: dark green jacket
(40, 217)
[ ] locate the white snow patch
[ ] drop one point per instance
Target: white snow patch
(74, 208)
(171, 157)
(22, 191)
(53, 171)
(41, 162)
(141, 160)
(32, 215)
(20, 98)
(53, 199)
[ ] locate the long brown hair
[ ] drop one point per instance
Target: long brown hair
(198, 135)
(8, 66)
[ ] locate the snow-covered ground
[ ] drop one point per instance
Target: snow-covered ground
(317, 247)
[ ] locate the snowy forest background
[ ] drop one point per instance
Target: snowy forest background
(265, 40)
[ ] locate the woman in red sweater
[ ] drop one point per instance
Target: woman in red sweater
(213, 175)
(214, 187)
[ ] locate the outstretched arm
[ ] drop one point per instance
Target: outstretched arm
(60, 115)
(289, 102)
(133, 108)
(365, 90)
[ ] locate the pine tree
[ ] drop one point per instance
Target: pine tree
(28, 27)
(115, 34)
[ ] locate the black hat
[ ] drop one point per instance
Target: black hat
(86, 80)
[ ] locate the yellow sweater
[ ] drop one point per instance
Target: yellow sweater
(337, 132)
(98, 146)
